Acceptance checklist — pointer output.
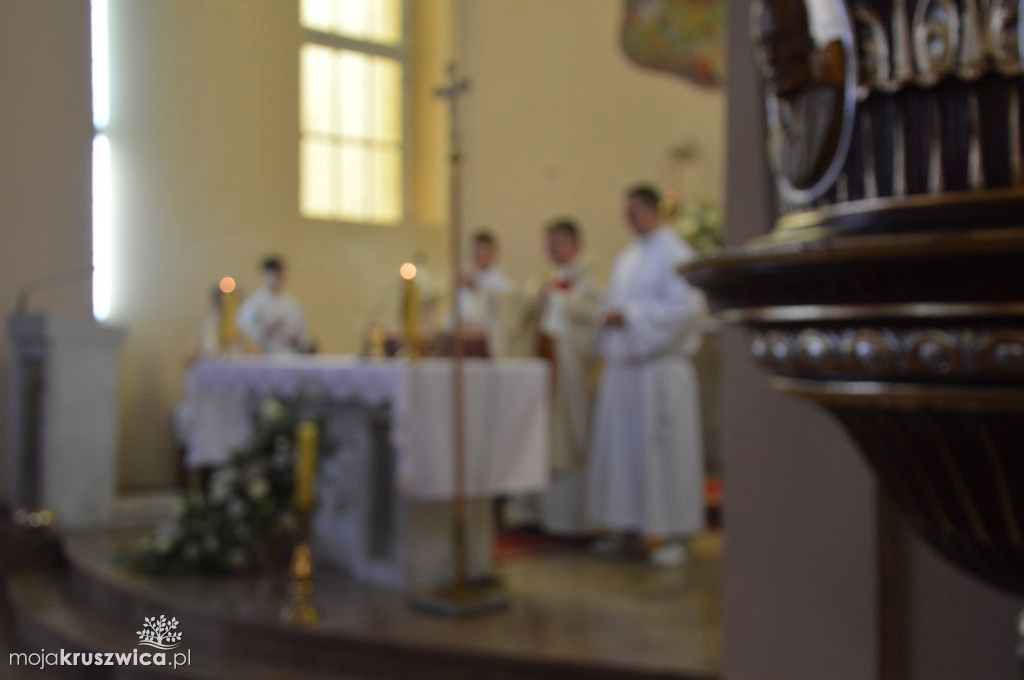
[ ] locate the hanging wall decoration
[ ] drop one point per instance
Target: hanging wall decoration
(685, 37)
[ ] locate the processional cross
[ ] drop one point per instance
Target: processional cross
(462, 596)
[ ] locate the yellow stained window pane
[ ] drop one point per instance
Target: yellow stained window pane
(315, 194)
(355, 18)
(317, 89)
(319, 14)
(354, 82)
(374, 20)
(354, 162)
(351, 182)
(377, 21)
(387, 26)
(387, 100)
(387, 185)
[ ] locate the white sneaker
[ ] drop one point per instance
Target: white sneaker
(668, 555)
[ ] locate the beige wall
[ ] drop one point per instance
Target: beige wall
(559, 122)
(204, 128)
(45, 142)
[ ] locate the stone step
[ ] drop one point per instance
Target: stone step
(240, 620)
(366, 632)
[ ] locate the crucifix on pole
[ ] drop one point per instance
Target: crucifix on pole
(464, 596)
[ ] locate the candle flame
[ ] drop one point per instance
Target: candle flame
(408, 271)
(227, 284)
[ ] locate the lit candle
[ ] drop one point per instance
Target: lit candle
(228, 331)
(306, 444)
(411, 309)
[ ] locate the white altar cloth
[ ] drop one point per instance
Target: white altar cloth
(506, 416)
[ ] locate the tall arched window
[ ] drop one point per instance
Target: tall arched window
(352, 118)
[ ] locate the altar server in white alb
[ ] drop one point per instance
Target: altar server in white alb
(645, 469)
(488, 299)
(271, 319)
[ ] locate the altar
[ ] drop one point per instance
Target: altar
(385, 488)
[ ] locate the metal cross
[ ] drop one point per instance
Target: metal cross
(452, 90)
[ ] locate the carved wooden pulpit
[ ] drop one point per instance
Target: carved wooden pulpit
(891, 290)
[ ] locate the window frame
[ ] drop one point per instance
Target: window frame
(400, 53)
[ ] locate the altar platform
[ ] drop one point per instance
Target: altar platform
(572, 615)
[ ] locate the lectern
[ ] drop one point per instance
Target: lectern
(63, 417)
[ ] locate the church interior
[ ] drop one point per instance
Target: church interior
(511, 338)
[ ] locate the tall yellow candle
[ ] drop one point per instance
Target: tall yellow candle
(306, 445)
(411, 309)
(228, 330)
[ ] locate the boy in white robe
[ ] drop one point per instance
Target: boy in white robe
(487, 299)
(645, 472)
(270, 318)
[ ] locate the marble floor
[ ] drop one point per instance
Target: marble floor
(568, 607)
(569, 603)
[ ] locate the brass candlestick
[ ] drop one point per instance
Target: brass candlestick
(300, 608)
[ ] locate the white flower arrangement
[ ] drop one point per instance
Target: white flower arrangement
(227, 526)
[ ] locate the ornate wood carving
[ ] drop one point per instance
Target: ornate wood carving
(891, 290)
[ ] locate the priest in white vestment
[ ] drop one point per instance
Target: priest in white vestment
(488, 300)
(645, 473)
(271, 319)
(566, 311)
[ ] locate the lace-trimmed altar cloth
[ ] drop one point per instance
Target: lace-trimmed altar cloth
(507, 414)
